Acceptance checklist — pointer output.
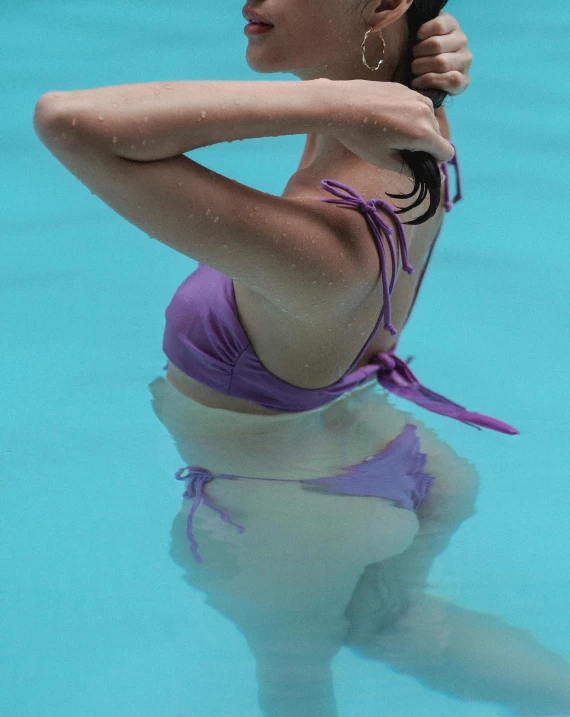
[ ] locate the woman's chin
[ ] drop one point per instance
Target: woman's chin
(260, 64)
(266, 60)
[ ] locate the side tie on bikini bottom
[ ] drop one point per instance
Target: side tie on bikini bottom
(396, 473)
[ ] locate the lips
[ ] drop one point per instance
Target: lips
(252, 15)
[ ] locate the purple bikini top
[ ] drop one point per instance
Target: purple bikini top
(204, 338)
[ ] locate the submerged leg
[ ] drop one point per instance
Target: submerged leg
(293, 666)
(449, 648)
(473, 656)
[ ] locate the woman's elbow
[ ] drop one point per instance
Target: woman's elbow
(48, 113)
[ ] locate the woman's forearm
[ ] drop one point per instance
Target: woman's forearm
(157, 120)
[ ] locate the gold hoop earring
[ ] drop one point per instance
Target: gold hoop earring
(364, 50)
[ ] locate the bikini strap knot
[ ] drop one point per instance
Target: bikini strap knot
(370, 207)
(395, 376)
(350, 198)
(197, 478)
(386, 362)
(380, 203)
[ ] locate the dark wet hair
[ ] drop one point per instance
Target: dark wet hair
(425, 170)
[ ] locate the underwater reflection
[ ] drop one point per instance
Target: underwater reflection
(318, 530)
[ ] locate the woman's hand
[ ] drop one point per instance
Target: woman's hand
(376, 120)
(442, 57)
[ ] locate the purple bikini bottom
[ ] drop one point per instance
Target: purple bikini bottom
(396, 473)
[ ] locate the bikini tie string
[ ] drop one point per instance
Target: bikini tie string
(395, 376)
(444, 168)
(350, 198)
(198, 477)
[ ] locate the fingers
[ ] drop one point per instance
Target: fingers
(443, 150)
(454, 82)
(437, 44)
(446, 62)
(443, 24)
(433, 144)
(429, 104)
(429, 137)
(430, 116)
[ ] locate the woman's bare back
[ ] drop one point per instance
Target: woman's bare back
(314, 353)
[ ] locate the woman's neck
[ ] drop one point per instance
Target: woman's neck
(322, 153)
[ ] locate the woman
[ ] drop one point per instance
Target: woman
(346, 500)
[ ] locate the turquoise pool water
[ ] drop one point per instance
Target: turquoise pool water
(95, 618)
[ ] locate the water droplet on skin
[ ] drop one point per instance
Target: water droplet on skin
(73, 122)
(236, 102)
(167, 87)
(157, 92)
(306, 365)
(293, 265)
(251, 214)
(256, 208)
(225, 246)
(365, 120)
(208, 211)
(144, 142)
(287, 223)
(202, 114)
(114, 104)
(375, 121)
(114, 140)
(384, 129)
(179, 184)
(312, 241)
(313, 282)
(101, 117)
(216, 219)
